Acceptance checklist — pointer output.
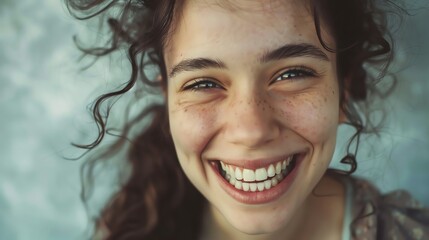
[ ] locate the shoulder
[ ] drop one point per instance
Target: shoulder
(395, 215)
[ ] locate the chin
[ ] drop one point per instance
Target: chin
(258, 228)
(260, 220)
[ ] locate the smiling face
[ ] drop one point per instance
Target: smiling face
(253, 104)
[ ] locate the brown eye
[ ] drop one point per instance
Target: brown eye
(201, 85)
(294, 74)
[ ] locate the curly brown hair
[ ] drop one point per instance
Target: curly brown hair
(156, 200)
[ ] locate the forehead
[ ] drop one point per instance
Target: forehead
(206, 27)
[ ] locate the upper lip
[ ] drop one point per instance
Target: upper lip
(257, 163)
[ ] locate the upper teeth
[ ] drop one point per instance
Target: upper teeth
(260, 174)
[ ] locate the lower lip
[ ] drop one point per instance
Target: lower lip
(257, 197)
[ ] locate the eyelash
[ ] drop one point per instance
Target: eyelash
(291, 74)
(295, 74)
(201, 84)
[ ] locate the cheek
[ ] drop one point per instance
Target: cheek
(191, 128)
(313, 116)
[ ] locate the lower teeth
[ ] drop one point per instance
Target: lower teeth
(259, 186)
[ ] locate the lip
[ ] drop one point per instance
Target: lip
(265, 196)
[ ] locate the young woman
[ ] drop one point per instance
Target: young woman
(254, 93)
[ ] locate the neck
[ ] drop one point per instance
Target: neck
(322, 212)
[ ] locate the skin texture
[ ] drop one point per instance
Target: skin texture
(251, 114)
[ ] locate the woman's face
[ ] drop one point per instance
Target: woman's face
(253, 103)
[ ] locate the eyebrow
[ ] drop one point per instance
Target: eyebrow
(196, 64)
(294, 50)
(285, 51)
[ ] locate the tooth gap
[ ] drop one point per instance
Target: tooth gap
(221, 171)
(292, 162)
(290, 167)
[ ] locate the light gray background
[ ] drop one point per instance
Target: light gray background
(43, 99)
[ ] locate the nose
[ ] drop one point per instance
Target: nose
(251, 122)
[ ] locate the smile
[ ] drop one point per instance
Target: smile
(259, 179)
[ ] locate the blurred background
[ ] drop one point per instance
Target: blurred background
(43, 108)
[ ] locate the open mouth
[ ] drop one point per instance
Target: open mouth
(260, 179)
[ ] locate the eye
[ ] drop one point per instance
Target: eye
(201, 84)
(295, 73)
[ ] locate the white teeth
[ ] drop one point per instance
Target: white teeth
(238, 174)
(232, 181)
(284, 165)
(248, 175)
(278, 168)
(267, 184)
(226, 169)
(271, 171)
(231, 172)
(274, 182)
(238, 185)
(261, 186)
(245, 186)
(223, 166)
(256, 180)
(261, 174)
